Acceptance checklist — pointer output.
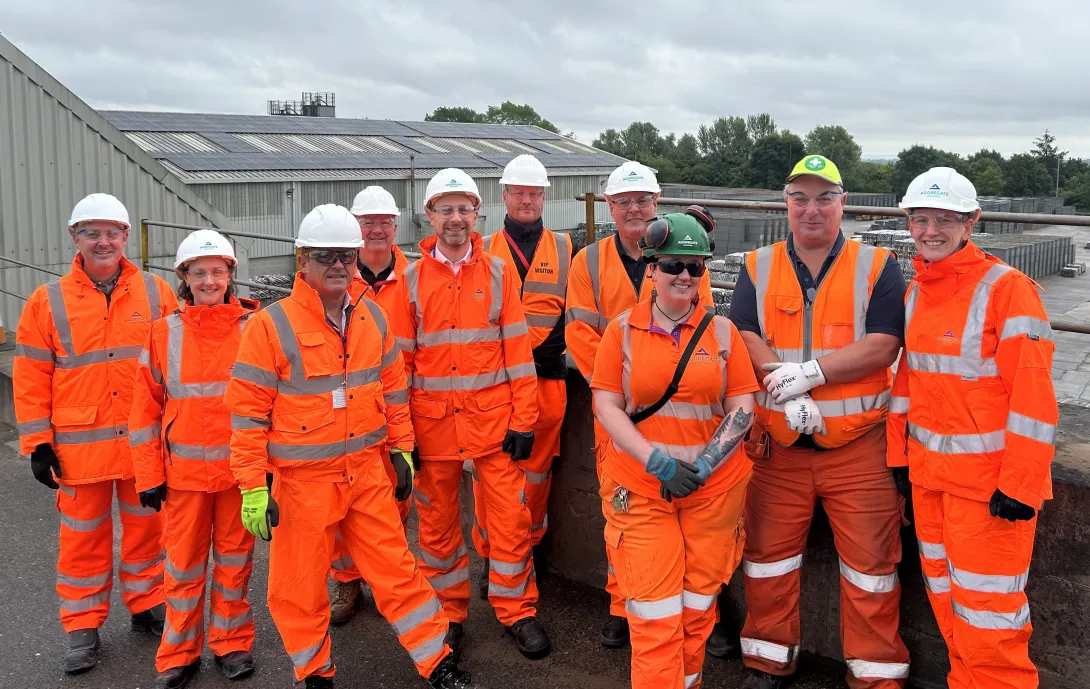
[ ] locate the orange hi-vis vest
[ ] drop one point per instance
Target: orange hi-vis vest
(974, 390)
(75, 362)
(180, 429)
(799, 331)
(467, 350)
(598, 291)
(382, 293)
(546, 280)
(314, 402)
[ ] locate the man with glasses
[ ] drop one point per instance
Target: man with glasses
(318, 396)
(823, 322)
(76, 358)
(473, 394)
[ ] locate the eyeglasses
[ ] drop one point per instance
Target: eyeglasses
(328, 257)
(215, 274)
(381, 224)
(643, 202)
(942, 222)
(448, 211)
(800, 200)
(534, 195)
(676, 267)
(95, 235)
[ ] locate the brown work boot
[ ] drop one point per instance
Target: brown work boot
(345, 602)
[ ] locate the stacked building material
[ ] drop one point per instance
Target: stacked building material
(725, 269)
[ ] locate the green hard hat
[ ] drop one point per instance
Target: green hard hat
(675, 234)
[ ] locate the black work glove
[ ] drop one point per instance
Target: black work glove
(272, 513)
(900, 477)
(155, 497)
(518, 445)
(416, 459)
(402, 462)
(1008, 508)
(44, 464)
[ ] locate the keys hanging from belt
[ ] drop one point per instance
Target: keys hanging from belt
(620, 499)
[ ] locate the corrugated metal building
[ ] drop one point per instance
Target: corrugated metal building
(54, 150)
(266, 172)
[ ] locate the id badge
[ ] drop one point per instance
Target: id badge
(339, 398)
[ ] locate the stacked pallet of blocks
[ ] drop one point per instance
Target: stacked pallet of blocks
(725, 269)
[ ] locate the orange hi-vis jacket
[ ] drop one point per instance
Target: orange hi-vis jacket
(311, 402)
(180, 429)
(799, 331)
(974, 387)
(75, 363)
(382, 293)
(468, 355)
(546, 280)
(598, 291)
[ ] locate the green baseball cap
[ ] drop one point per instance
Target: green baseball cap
(818, 166)
(676, 234)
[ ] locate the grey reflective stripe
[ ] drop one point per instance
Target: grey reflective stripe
(135, 510)
(380, 320)
(445, 581)
(141, 567)
(175, 336)
(60, 315)
(686, 410)
(483, 533)
(871, 583)
(421, 498)
(93, 436)
(1026, 325)
(390, 357)
(536, 477)
(508, 568)
(405, 344)
(697, 601)
(326, 450)
(691, 680)
(36, 426)
(937, 585)
(760, 283)
(985, 619)
(192, 574)
(428, 649)
(467, 336)
(172, 637)
(192, 390)
(412, 281)
(513, 330)
(286, 336)
(145, 435)
(767, 570)
(94, 581)
(67, 491)
(543, 524)
(241, 423)
(229, 623)
(972, 340)
(141, 585)
(300, 658)
(495, 266)
(535, 320)
(758, 648)
(516, 591)
(100, 356)
(521, 371)
(963, 444)
(988, 583)
(362, 377)
(591, 318)
(155, 310)
(687, 453)
(445, 563)
(468, 383)
(865, 669)
(253, 374)
(33, 353)
(852, 405)
(236, 560)
(966, 367)
(1031, 428)
(910, 301)
(932, 551)
(591, 253)
(417, 617)
(85, 603)
(654, 609)
(898, 405)
(226, 593)
(342, 564)
(863, 265)
(396, 397)
(563, 259)
(84, 525)
(185, 604)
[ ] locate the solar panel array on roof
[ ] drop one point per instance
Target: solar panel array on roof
(319, 161)
(254, 124)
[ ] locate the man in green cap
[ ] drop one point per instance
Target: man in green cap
(823, 319)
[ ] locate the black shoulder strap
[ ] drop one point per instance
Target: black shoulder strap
(678, 372)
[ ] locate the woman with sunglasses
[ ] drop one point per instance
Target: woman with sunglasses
(673, 480)
(181, 435)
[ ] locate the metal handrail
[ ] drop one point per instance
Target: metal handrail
(248, 283)
(13, 294)
(28, 265)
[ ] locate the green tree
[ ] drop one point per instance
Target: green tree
(1077, 191)
(871, 177)
(571, 135)
(509, 113)
(985, 170)
(760, 126)
(610, 141)
(1050, 155)
(454, 114)
(772, 158)
(1025, 175)
(916, 160)
(726, 146)
(835, 143)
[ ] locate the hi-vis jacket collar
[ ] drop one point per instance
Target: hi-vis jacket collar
(427, 246)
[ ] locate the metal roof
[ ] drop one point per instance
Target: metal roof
(203, 147)
(225, 176)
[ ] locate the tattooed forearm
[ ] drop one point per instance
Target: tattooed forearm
(728, 436)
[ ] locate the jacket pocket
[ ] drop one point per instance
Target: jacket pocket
(428, 408)
(317, 361)
(789, 303)
(81, 415)
(302, 418)
(837, 335)
(491, 398)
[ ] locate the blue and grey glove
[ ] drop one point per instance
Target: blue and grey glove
(679, 479)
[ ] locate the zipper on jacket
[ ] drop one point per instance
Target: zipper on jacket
(807, 326)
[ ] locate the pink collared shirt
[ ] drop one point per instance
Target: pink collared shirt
(454, 266)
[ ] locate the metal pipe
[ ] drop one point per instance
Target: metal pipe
(592, 229)
(248, 283)
(412, 191)
(229, 233)
(13, 294)
(27, 265)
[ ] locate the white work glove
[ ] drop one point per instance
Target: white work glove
(789, 380)
(803, 415)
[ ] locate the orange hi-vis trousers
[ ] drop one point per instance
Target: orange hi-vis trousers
(195, 522)
(975, 567)
(670, 560)
(85, 561)
(444, 559)
(864, 509)
(343, 569)
(365, 512)
(616, 600)
(552, 399)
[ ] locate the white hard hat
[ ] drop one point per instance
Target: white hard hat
(525, 171)
(632, 176)
(374, 200)
(203, 243)
(329, 226)
(100, 207)
(941, 187)
(451, 181)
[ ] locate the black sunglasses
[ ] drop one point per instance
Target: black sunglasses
(328, 257)
(675, 267)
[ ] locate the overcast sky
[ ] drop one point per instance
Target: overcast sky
(960, 74)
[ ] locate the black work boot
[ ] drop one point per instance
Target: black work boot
(615, 632)
(455, 638)
(482, 582)
(531, 638)
(449, 676)
(151, 621)
(236, 664)
(763, 680)
(177, 677)
(82, 653)
(319, 682)
(723, 642)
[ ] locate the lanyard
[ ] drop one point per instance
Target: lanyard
(516, 250)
